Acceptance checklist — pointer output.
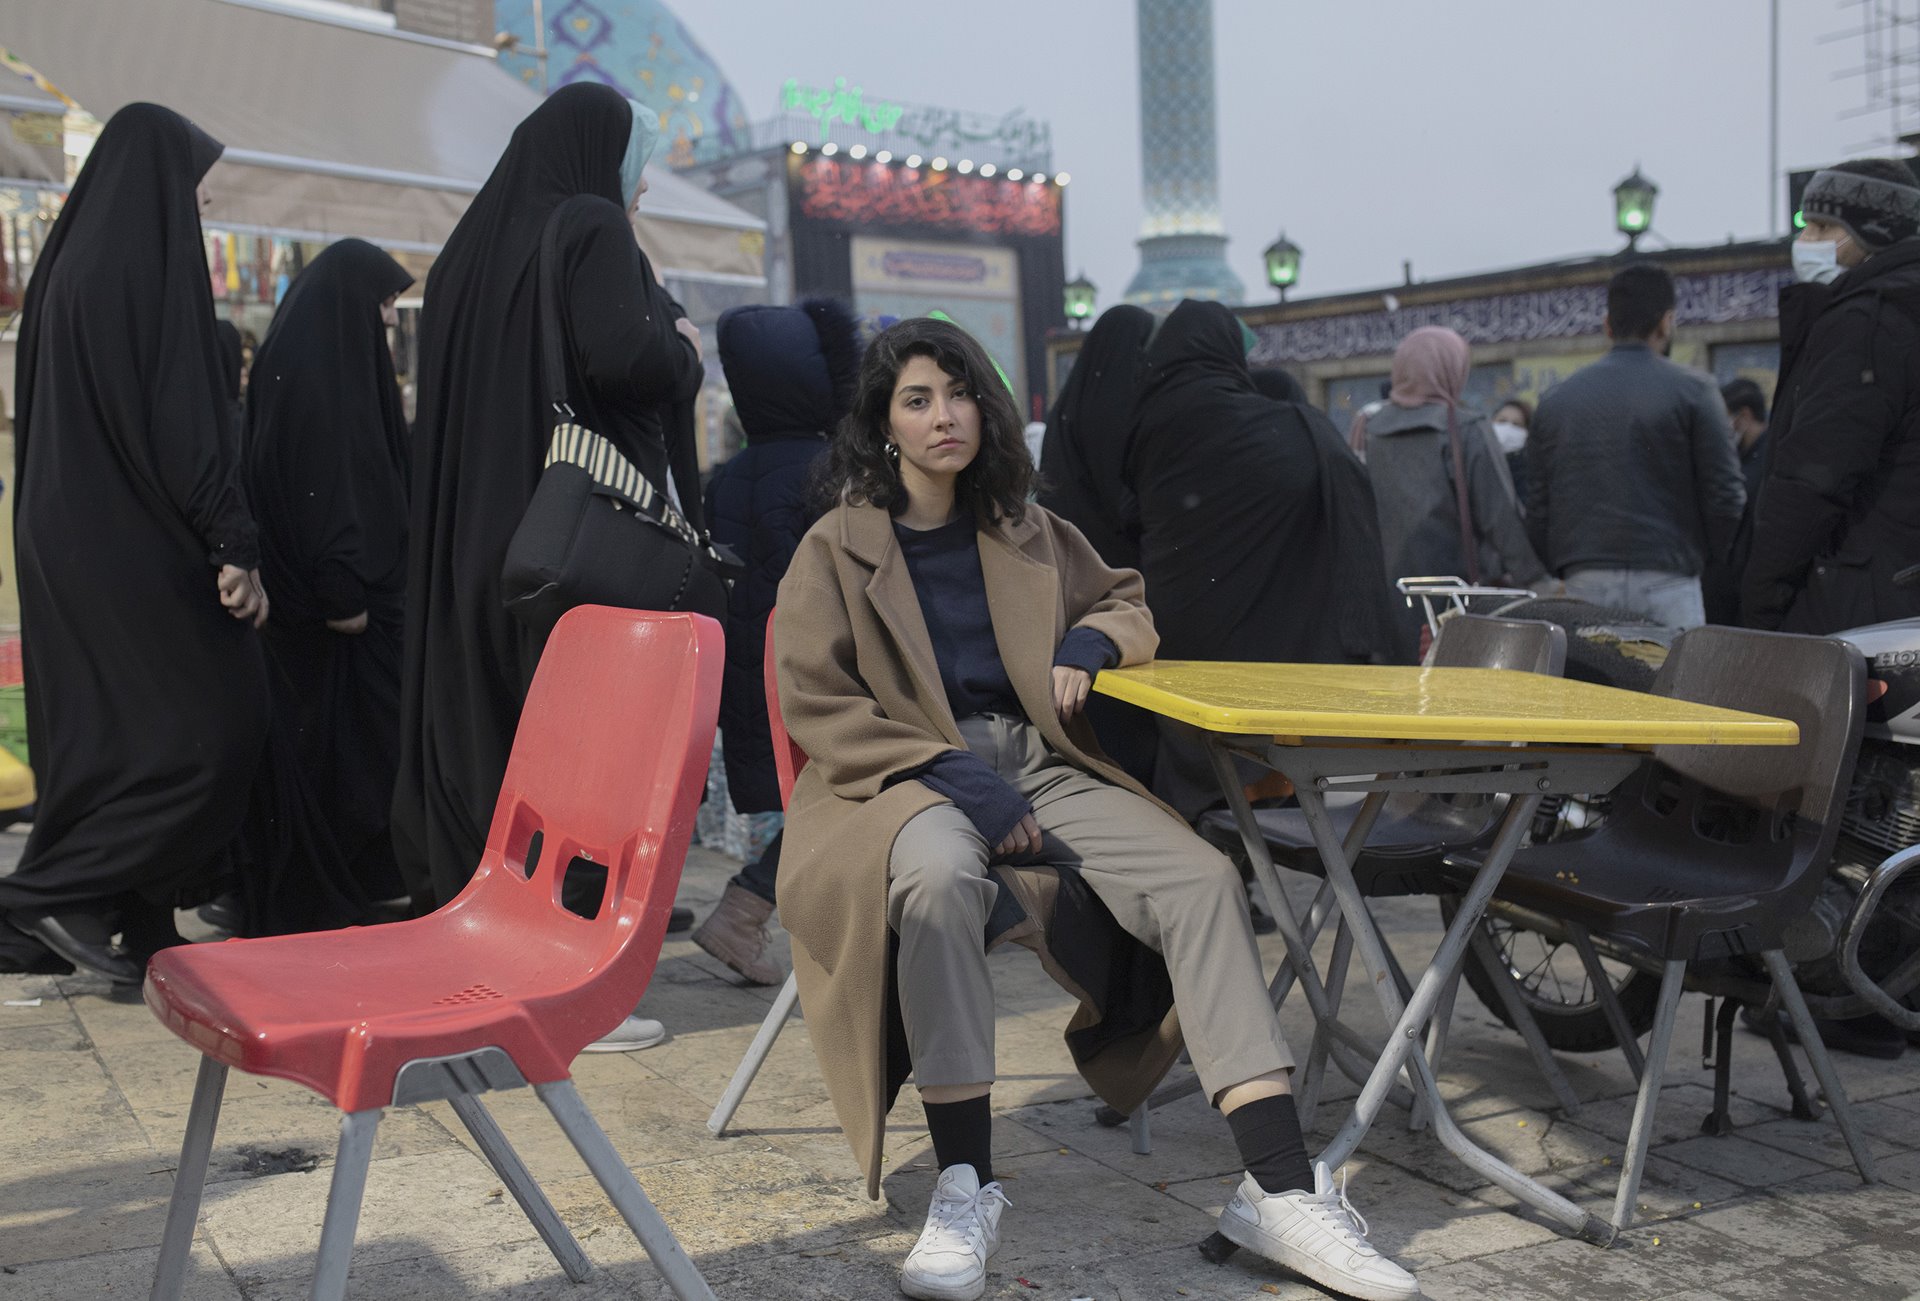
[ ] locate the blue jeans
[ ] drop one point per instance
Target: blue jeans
(1665, 597)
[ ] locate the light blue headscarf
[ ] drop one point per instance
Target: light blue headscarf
(640, 142)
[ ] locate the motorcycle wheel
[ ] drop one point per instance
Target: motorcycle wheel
(1555, 986)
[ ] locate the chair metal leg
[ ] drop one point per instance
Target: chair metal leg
(189, 1181)
(1141, 1125)
(591, 1142)
(1672, 981)
(520, 1182)
(1609, 1002)
(757, 1051)
(1803, 1026)
(343, 1204)
(1523, 1020)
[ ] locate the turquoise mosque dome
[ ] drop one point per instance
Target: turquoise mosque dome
(643, 51)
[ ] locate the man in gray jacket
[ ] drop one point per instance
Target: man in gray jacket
(1636, 484)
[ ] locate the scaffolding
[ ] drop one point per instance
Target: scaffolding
(1888, 73)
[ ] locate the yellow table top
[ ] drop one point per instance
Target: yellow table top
(1394, 702)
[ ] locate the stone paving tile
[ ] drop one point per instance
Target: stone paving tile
(449, 1201)
(119, 1272)
(1740, 1160)
(95, 1094)
(60, 1205)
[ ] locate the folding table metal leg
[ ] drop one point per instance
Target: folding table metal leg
(1401, 1047)
(1809, 1035)
(1609, 1001)
(1350, 1051)
(1672, 982)
(756, 1057)
(514, 1174)
(623, 1190)
(189, 1181)
(343, 1204)
(1141, 1125)
(1516, 1004)
(1418, 1119)
(1307, 1096)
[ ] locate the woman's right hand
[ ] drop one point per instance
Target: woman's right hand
(1023, 839)
(243, 594)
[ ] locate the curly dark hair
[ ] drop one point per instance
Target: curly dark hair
(858, 469)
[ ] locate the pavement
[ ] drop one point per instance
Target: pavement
(94, 1097)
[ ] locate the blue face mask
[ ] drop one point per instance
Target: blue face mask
(640, 142)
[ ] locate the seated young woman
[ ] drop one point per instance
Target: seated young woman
(935, 640)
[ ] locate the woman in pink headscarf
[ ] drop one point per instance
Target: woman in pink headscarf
(1446, 503)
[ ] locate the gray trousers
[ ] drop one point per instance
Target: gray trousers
(1168, 888)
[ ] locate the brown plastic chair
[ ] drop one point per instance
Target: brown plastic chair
(1710, 852)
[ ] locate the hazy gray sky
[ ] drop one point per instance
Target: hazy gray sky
(1464, 134)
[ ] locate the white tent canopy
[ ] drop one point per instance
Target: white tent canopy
(332, 128)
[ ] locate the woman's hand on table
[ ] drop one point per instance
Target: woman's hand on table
(1070, 688)
(1025, 836)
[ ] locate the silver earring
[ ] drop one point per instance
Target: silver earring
(893, 451)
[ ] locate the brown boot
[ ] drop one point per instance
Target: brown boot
(736, 933)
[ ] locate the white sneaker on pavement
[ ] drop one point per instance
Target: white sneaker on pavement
(631, 1035)
(1318, 1235)
(949, 1263)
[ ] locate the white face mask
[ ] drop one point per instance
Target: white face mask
(1513, 438)
(1816, 262)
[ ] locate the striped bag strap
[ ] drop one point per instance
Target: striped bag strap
(574, 444)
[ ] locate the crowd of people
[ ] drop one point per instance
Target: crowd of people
(272, 653)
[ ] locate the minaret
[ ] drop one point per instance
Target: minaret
(1183, 246)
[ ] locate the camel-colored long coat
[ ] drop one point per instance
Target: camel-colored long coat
(860, 692)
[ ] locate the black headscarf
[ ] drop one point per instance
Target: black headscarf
(1255, 529)
(1083, 460)
(480, 438)
(326, 448)
(146, 700)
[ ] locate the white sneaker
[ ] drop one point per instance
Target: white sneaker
(1318, 1235)
(949, 1263)
(631, 1035)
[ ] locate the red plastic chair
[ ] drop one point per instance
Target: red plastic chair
(503, 986)
(788, 760)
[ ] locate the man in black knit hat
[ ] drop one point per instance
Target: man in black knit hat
(1839, 507)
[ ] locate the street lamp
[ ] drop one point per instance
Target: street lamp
(1080, 295)
(1633, 207)
(1283, 264)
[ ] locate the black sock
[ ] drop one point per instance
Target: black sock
(963, 1134)
(1267, 1131)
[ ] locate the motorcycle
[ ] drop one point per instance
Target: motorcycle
(1857, 950)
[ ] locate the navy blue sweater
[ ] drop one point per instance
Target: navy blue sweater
(945, 565)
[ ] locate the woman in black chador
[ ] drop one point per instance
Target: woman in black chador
(481, 436)
(139, 591)
(326, 470)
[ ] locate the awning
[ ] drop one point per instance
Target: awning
(333, 127)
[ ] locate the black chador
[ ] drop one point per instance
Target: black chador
(480, 438)
(146, 699)
(326, 472)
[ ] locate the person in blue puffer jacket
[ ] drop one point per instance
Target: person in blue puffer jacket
(791, 371)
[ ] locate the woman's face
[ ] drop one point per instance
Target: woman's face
(1511, 415)
(390, 311)
(934, 421)
(203, 196)
(633, 204)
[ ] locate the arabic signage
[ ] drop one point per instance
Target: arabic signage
(1008, 140)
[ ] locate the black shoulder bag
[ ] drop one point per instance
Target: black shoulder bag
(597, 532)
